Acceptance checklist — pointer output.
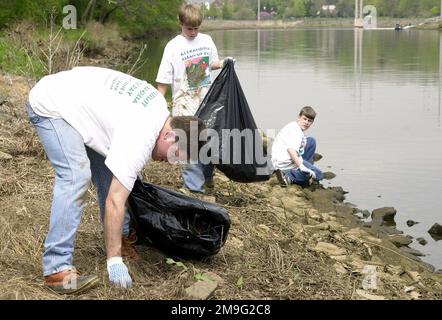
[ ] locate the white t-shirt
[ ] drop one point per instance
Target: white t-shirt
(186, 67)
(290, 137)
(118, 116)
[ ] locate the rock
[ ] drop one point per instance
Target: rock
(329, 249)
(372, 239)
(395, 270)
(263, 227)
(207, 198)
(338, 190)
(317, 157)
(368, 296)
(313, 214)
(409, 289)
(365, 213)
(411, 251)
(320, 226)
(400, 240)
(422, 241)
(411, 223)
(359, 215)
(382, 215)
(331, 225)
(383, 231)
(5, 156)
(436, 229)
(340, 269)
(329, 175)
(357, 232)
(414, 295)
(211, 276)
(362, 213)
(412, 292)
(202, 290)
(415, 276)
(340, 258)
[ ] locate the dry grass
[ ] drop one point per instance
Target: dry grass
(270, 262)
(268, 246)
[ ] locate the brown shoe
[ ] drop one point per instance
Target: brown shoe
(70, 282)
(128, 250)
(132, 238)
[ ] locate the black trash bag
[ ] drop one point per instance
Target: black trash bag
(225, 107)
(176, 224)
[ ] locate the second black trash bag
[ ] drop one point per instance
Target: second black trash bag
(176, 224)
(241, 155)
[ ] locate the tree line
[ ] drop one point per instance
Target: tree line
(139, 17)
(286, 9)
(136, 16)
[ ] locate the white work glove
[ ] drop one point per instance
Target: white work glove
(310, 172)
(118, 273)
(228, 59)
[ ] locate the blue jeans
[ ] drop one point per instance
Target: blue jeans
(296, 176)
(195, 176)
(74, 170)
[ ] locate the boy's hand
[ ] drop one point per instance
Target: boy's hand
(304, 169)
(226, 59)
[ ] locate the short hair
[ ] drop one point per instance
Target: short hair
(190, 15)
(185, 123)
(308, 111)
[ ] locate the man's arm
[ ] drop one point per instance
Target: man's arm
(114, 217)
(162, 87)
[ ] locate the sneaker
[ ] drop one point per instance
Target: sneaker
(128, 250)
(310, 180)
(209, 184)
(282, 178)
(70, 282)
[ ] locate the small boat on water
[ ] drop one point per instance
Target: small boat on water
(408, 26)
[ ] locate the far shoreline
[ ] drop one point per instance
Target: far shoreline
(383, 22)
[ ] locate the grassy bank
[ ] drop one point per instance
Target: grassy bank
(34, 53)
(284, 243)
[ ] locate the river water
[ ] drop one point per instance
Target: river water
(378, 98)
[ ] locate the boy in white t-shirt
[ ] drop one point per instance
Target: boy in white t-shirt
(101, 125)
(186, 66)
(292, 152)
